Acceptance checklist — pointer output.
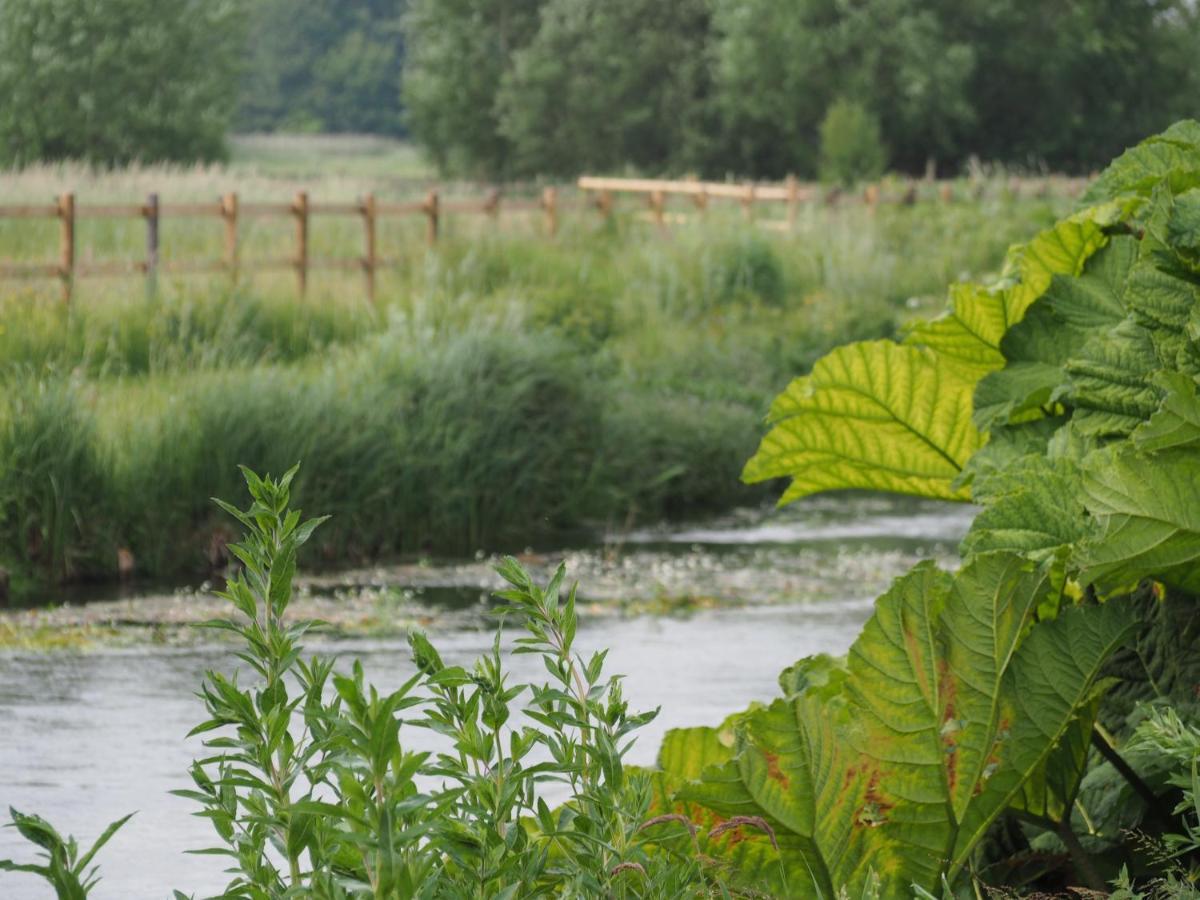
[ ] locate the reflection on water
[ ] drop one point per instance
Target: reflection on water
(89, 737)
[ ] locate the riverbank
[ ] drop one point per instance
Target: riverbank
(813, 553)
(705, 615)
(506, 392)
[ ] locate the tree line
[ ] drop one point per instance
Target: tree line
(509, 88)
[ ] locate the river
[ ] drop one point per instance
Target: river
(719, 609)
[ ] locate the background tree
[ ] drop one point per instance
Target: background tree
(773, 79)
(118, 80)
(852, 148)
(458, 54)
(899, 58)
(1071, 84)
(324, 65)
(609, 83)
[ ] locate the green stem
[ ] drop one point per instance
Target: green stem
(1143, 790)
(1083, 863)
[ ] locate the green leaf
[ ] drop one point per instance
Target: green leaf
(1148, 509)
(104, 838)
(950, 707)
(897, 417)
(1070, 311)
(1173, 155)
(873, 415)
(1183, 226)
(1177, 422)
(1033, 509)
(1110, 385)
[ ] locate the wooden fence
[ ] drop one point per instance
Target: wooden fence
(232, 211)
(596, 192)
(793, 193)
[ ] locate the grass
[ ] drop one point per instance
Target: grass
(322, 155)
(505, 389)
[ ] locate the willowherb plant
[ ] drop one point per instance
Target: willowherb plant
(65, 869)
(313, 792)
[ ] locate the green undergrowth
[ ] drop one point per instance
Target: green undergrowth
(506, 389)
(1027, 724)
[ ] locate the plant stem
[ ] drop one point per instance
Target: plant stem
(1143, 790)
(1083, 863)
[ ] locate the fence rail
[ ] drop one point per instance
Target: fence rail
(596, 192)
(794, 193)
(232, 211)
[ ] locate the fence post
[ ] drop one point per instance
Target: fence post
(431, 210)
(491, 205)
(604, 203)
(370, 261)
(550, 209)
(947, 192)
(151, 213)
(748, 203)
(229, 212)
(871, 196)
(66, 218)
(701, 201)
(300, 211)
(793, 201)
(657, 204)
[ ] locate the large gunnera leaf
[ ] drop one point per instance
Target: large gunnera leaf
(948, 710)
(1148, 509)
(1172, 157)
(874, 415)
(897, 417)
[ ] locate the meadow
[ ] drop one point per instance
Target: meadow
(504, 390)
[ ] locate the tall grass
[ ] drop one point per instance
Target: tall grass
(505, 389)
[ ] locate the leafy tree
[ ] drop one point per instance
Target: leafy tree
(851, 147)
(111, 81)
(325, 65)
(583, 95)
(1072, 84)
(459, 52)
(772, 82)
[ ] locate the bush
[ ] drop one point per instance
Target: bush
(751, 267)
(116, 81)
(852, 147)
(52, 484)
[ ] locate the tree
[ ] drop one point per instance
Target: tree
(851, 147)
(1071, 84)
(458, 53)
(609, 83)
(324, 65)
(773, 81)
(112, 81)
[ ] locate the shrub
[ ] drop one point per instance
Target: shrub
(852, 147)
(118, 80)
(748, 267)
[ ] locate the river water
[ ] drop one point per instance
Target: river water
(91, 735)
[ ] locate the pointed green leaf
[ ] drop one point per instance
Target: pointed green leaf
(875, 415)
(1148, 509)
(943, 718)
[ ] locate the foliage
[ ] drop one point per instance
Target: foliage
(973, 696)
(117, 81)
(327, 66)
(649, 361)
(315, 793)
(457, 56)
(754, 79)
(852, 150)
(581, 96)
(65, 869)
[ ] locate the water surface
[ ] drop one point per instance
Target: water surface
(90, 736)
